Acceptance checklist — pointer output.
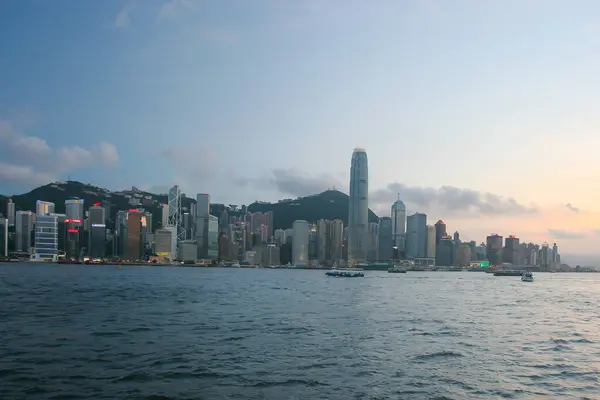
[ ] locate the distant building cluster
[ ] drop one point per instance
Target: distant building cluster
(193, 235)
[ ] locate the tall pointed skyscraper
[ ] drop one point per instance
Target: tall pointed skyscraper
(358, 218)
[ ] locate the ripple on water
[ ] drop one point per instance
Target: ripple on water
(178, 333)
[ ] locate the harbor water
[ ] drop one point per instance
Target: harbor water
(99, 332)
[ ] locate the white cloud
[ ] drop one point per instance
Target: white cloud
(123, 19)
(32, 160)
(446, 199)
(109, 155)
(23, 174)
(173, 8)
(564, 234)
(195, 162)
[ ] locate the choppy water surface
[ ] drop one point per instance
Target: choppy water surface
(182, 333)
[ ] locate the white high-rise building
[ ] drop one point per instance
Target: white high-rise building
(44, 207)
(358, 218)
(46, 236)
(301, 231)
(398, 224)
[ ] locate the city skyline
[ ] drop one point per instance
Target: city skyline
(60, 236)
(420, 241)
(450, 103)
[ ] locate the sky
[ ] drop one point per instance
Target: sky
(480, 113)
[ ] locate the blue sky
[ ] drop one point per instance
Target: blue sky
(266, 99)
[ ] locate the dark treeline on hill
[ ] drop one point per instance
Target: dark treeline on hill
(330, 204)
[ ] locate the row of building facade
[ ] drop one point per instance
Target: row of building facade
(193, 234)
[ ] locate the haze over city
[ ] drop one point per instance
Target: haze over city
(480, 114)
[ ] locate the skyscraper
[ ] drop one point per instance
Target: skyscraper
(44, 207)
(133, 246)
(164, 216)
(174, 199)
(336, 238)
(10, 212)
(373, 242)
(386, 242)
(4, 237)
(431, 241)
(444, 252)
(97, 232)
(358, 217)
(510, 252)
(300, 243)
(212, 234)
(322, 241)
(494, 249)
(24, 227)
(440, 231)
(46, 236)
(416, 236)
(399, 223)
(329, 241)
(74, 209)
(202, 220)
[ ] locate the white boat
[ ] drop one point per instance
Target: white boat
(345, 273)
(527, 276)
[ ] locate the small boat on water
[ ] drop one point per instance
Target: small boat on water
(345, 273)
(397, 270)
(508, 273)
(527, 276)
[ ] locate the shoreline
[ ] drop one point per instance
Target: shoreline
(320, 268)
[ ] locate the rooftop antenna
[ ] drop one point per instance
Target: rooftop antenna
(398, 196)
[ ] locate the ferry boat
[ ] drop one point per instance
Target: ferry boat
(345, 273)
(508, 273)
(397, 270)
(527, 276)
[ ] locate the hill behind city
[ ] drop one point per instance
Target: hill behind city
(331, 204)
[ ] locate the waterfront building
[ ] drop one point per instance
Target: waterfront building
(46, 236)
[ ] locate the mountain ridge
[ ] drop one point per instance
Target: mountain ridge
(330, 204)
